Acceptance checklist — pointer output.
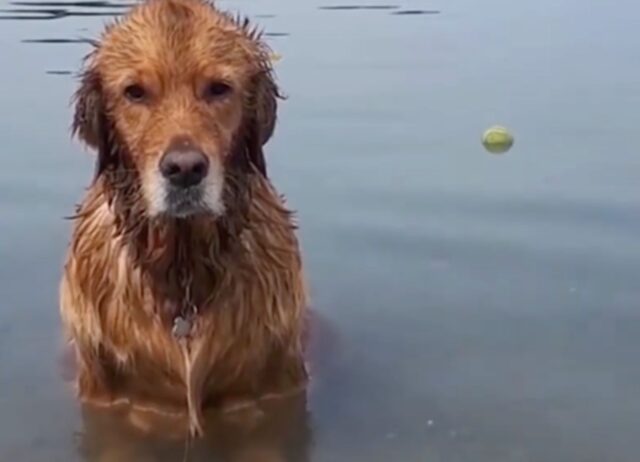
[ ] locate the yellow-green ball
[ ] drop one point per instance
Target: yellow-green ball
(497, 140)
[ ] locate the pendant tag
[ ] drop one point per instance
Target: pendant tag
(181, 328)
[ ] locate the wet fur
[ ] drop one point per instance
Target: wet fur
(123, 281)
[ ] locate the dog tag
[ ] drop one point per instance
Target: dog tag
(181, 328)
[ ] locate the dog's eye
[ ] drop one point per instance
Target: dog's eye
(135, 93)
(215, 90)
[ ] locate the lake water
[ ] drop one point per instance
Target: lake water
(474, 307)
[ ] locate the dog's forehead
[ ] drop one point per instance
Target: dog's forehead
(178, 33)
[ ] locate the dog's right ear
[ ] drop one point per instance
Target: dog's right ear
(89, 110)
(91, 124)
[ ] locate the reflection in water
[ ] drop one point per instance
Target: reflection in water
(280, 432)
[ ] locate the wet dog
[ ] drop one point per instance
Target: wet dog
(183, 286)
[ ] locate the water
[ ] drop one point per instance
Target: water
(474, 307)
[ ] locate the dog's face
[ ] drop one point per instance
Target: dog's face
(185, 89)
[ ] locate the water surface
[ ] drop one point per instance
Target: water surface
(480, 308)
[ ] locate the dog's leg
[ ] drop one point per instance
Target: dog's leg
(286, 376)
(94, 383)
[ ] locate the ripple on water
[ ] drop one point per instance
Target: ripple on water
(359, 7)
(57, 40)
(88, 4)
(54, 72)
(415, 12)
(19, 14)
(394, 9)
(48, 10)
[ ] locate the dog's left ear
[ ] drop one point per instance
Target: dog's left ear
(267, 95)
(262, 117)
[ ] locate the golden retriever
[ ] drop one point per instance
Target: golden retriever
(183, 286)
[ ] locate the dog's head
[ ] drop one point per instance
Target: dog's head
(178, 94)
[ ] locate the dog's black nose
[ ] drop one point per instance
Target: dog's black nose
(184, 168)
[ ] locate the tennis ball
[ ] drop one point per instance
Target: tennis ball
(497, 140)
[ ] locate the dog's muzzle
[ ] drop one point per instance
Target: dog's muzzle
(184, 169)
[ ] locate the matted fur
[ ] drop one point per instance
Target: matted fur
(124, 277)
